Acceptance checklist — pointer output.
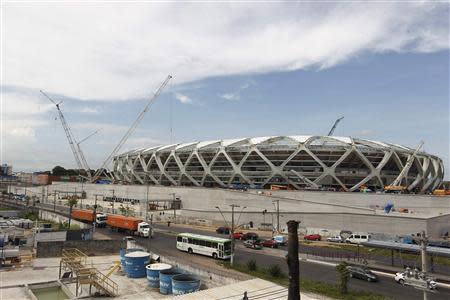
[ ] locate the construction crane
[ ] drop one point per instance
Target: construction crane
(81, 154)
(131, 130)
(76, 150)
(334, 126)
(395, 185)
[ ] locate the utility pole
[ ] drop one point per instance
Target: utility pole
(423, 253)
(54, 201)
(278, 213)
(146, 204)
(293, 262)
(232, 233)
(174, 208)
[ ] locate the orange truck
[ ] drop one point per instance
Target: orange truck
(88, 215)
(132, 225)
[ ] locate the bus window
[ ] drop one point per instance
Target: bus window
(227, 246)
(214, 245)
(202, 243)
(179, 239)
(208, 244)
(190, 241)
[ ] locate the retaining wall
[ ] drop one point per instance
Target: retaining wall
(91, 247)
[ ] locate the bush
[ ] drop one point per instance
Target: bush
(251, 265)
(275, 271)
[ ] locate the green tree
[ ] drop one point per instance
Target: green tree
(59, 171)
(72, 201)
(344, 275)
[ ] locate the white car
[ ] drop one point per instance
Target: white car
(415, 278)
(335, 239)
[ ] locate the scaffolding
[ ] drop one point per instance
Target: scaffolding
(75, 262)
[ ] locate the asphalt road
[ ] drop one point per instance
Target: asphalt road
(164, 243)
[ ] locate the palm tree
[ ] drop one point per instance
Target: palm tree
(344, 275)
(72, 201)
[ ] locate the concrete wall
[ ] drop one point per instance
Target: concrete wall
(316, 210)
(91, 248)
(9, 213)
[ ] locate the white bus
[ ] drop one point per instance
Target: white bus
(206, 245)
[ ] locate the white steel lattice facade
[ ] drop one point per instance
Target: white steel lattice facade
(298, 161)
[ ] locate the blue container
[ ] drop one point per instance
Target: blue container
(122, 255)
(153, 273)
(165, 281)
(135, 263)
(185, 283)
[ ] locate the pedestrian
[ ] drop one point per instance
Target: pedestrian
(168, 223)
(245, 296)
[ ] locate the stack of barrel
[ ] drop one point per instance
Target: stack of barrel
(136, 264)
(170, 280)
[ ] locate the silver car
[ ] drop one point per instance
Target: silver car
(335, 239)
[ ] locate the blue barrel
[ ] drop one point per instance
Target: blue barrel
(135, 263)
(185, 283)
(165, 281)
(122, 255)
(153, 273)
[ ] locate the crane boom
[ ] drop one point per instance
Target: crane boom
(131, 129)
(407, 166)
(76, 150)
(330, 133)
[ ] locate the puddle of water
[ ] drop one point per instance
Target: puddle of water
(50, 293)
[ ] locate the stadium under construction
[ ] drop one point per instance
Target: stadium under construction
(296, 162)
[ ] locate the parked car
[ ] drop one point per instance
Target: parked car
(357, 238)
(335, 239)
(238, 235)
(280, 239)
(362, 273)
(250, 236)
(416, 279)
(223, 230)
(313, 237)
(270, 243)
(253, 244)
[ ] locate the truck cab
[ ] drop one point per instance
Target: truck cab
(100, 220)
(144, 230)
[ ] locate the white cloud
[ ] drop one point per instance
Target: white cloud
(230, 96)
(119, 51)
(89, 110)
(183, 98)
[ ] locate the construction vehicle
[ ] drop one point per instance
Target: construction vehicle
(132, 225)
(102, 169)
(395, 186)
(88, 215)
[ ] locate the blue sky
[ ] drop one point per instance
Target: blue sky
(388, 75)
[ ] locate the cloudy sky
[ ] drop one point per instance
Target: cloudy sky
(239, 69)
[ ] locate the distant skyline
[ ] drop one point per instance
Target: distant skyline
(239, 70)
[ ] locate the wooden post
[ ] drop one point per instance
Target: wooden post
(292, 261)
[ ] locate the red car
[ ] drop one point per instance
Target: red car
(270, 243)
(238, 235)
(313, 237)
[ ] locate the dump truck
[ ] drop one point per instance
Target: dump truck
(88, 216)
(132, 225)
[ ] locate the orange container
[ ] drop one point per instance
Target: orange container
(82, 214)
(119, 221)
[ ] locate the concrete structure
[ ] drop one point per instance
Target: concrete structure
(330, 211)
(341, 163)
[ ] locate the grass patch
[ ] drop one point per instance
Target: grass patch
(306, 285)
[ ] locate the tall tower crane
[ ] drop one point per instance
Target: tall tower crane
(334, 126)
(75, 147)
(130, 130)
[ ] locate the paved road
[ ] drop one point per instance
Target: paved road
(164, 243)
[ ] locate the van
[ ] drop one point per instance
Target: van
(357, 238)
(280, 239)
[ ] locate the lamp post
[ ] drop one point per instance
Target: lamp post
(231, 228)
